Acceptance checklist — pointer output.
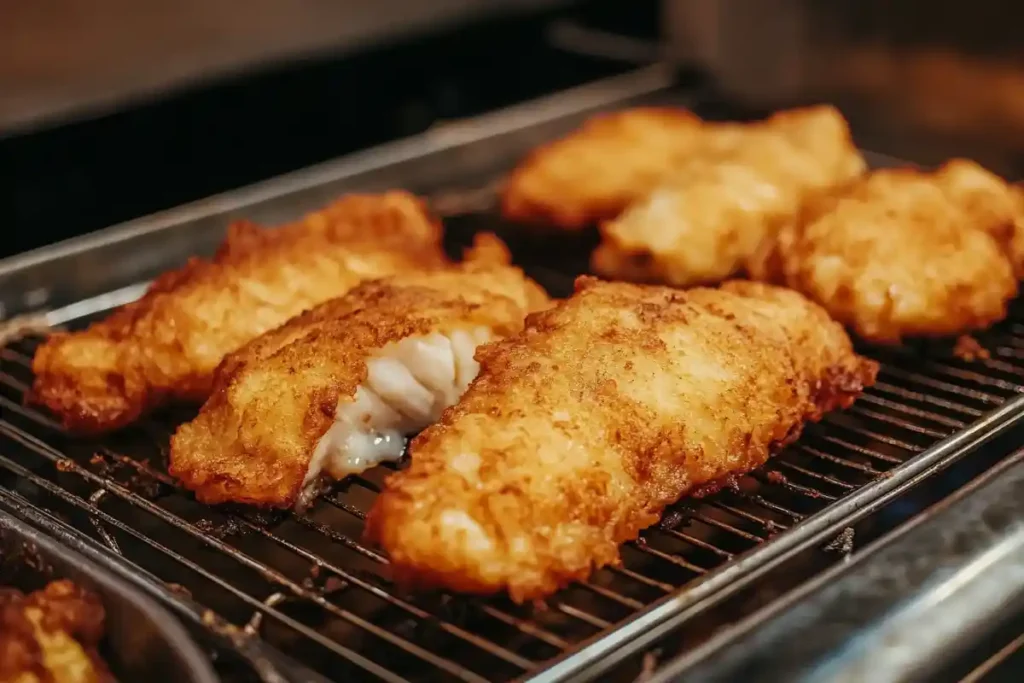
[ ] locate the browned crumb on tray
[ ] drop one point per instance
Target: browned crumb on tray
(970, 349)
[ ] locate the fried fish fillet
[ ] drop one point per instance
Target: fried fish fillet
(52, 634)
(904, 253)
(337, 389)
(581, 429)
(991, 203)
(166, 345)
(705, 220)
(595, 172)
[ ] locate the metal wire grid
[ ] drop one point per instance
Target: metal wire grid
(308, 586)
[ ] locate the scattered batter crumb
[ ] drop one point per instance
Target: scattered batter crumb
(969, 349)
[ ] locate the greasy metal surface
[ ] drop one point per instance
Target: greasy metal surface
(142, 641)
(903, 610)
(305, 584)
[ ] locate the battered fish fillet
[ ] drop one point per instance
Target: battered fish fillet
(991, 203)
(702, 223)
(595, 172)
(904, 253)
(580, 430)
(51, 636)
(166, 345)
(336, 390)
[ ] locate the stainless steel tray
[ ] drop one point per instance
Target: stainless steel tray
(904, 610)
(928, 413)
(143, 641)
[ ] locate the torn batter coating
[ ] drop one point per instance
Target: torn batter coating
(337, 389)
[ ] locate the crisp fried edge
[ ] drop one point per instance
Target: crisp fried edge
(109, 399)
(775, 256)
(264, 475)
(838, 388)
(522, 205)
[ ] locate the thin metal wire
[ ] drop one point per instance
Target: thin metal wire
(826, 478)
(696, 542)
(893, 421)
(979, 673)
(643, 547)
(911, 411)
(267, 572)
(898, 374)
(908, 395)
(880, 437)
(296, 626)
(841, 462)
(782, 481)
(840, 453)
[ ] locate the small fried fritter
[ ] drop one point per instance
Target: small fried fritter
(52, 636)
(337, 389)
(903, 253)
(581, 429)
(166, 345)
(714, 211)
(599, 169)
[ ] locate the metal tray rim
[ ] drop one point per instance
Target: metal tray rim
(974, 524)
(607, 648)
(593, 95)
(173, 632)
(646, 626)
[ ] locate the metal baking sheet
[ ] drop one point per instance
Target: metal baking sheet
(142, 641)
(455, 164)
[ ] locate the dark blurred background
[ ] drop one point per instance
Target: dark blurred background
(185, 136)
(113, 109)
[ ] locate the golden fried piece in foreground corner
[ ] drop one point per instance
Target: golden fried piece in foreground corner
(337, 389)
(903, 253)
(704, 221)
(581, 429)
(165, 346)
(595, 172)
(52, 634)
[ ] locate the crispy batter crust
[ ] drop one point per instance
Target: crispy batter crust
(580, 430)
(904, 253)
(712, 212)
(166, 345)
(51, 635)
(596, 171)
(1016, 248)
(277, 396)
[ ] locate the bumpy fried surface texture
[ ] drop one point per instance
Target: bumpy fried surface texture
(1016, 249)
(595, 172)
(166, 345)
(903, 253)
(276, 397)
(580, 430)
(990, 203)
(711, 214)
(51, 636)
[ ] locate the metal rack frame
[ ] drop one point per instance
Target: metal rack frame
(307, 582)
